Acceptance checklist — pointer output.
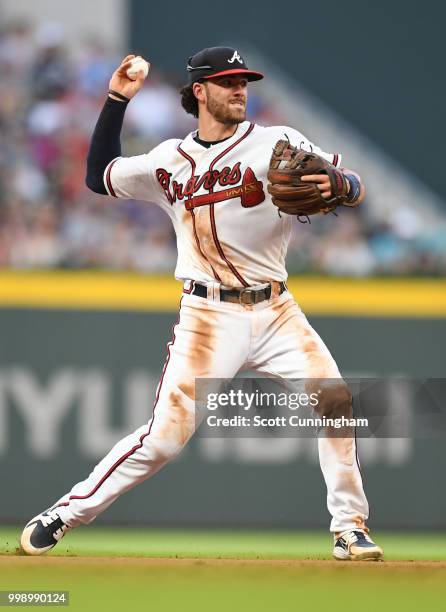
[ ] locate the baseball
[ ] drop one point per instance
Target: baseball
(138, 63)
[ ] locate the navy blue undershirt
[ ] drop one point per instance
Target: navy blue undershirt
(209, 143)
(105, 143)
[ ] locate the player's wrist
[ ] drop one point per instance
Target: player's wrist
(119, 97)
(354, 188)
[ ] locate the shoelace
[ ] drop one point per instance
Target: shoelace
(49, 517)
(351, 537)
(59, 534)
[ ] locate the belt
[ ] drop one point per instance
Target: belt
(246, 296)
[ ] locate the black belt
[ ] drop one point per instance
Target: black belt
(246, 296)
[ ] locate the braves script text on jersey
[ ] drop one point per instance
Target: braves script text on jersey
(228, 234)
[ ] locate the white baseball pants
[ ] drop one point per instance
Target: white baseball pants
(215, 339)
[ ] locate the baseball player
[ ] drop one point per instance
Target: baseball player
(236, 311)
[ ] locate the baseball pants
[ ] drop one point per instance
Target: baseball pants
(214, 339)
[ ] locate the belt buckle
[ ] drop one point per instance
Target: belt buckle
(247, 297)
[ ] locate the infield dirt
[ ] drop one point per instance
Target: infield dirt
(18, 559)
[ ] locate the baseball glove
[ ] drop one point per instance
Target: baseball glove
(294, 197)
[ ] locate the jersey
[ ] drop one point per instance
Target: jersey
(227, 229)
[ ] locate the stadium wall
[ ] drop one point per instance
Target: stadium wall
(75, 379)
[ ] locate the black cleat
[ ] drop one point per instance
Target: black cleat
(42, 533)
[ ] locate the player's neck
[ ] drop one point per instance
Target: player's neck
(211, 130)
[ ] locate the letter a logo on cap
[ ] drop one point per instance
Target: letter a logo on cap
(237, 57)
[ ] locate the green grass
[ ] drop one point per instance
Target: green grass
(91, 541)
(205, 584)
(225, 588)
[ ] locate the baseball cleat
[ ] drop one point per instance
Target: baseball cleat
(356, 545)
(42, 533)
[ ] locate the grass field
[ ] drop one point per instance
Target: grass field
(168, 570)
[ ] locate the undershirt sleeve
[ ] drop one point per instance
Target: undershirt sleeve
(108, 173)
(105, 143)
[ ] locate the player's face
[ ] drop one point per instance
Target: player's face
(226, 98)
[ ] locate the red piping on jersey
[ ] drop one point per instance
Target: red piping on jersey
(108, 178)
(212, 213)
(193, 166)
(335, 159)
(220, 250)
(189, 159)
(234, 144)
(141, 439)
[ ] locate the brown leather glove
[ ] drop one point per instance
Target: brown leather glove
(290, 194)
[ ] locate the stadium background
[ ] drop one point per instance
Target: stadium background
(86, 305)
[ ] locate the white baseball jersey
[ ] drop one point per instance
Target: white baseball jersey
(227, 228)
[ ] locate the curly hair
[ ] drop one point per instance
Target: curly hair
(188, 100)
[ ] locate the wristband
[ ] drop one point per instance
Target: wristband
(118, 95)
(355, 188)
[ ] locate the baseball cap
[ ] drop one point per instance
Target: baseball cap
(218, 61)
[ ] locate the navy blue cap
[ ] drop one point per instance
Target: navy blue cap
(218, 61)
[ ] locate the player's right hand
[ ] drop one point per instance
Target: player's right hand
(121, 83)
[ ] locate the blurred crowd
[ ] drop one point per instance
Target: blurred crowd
(50, 100)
